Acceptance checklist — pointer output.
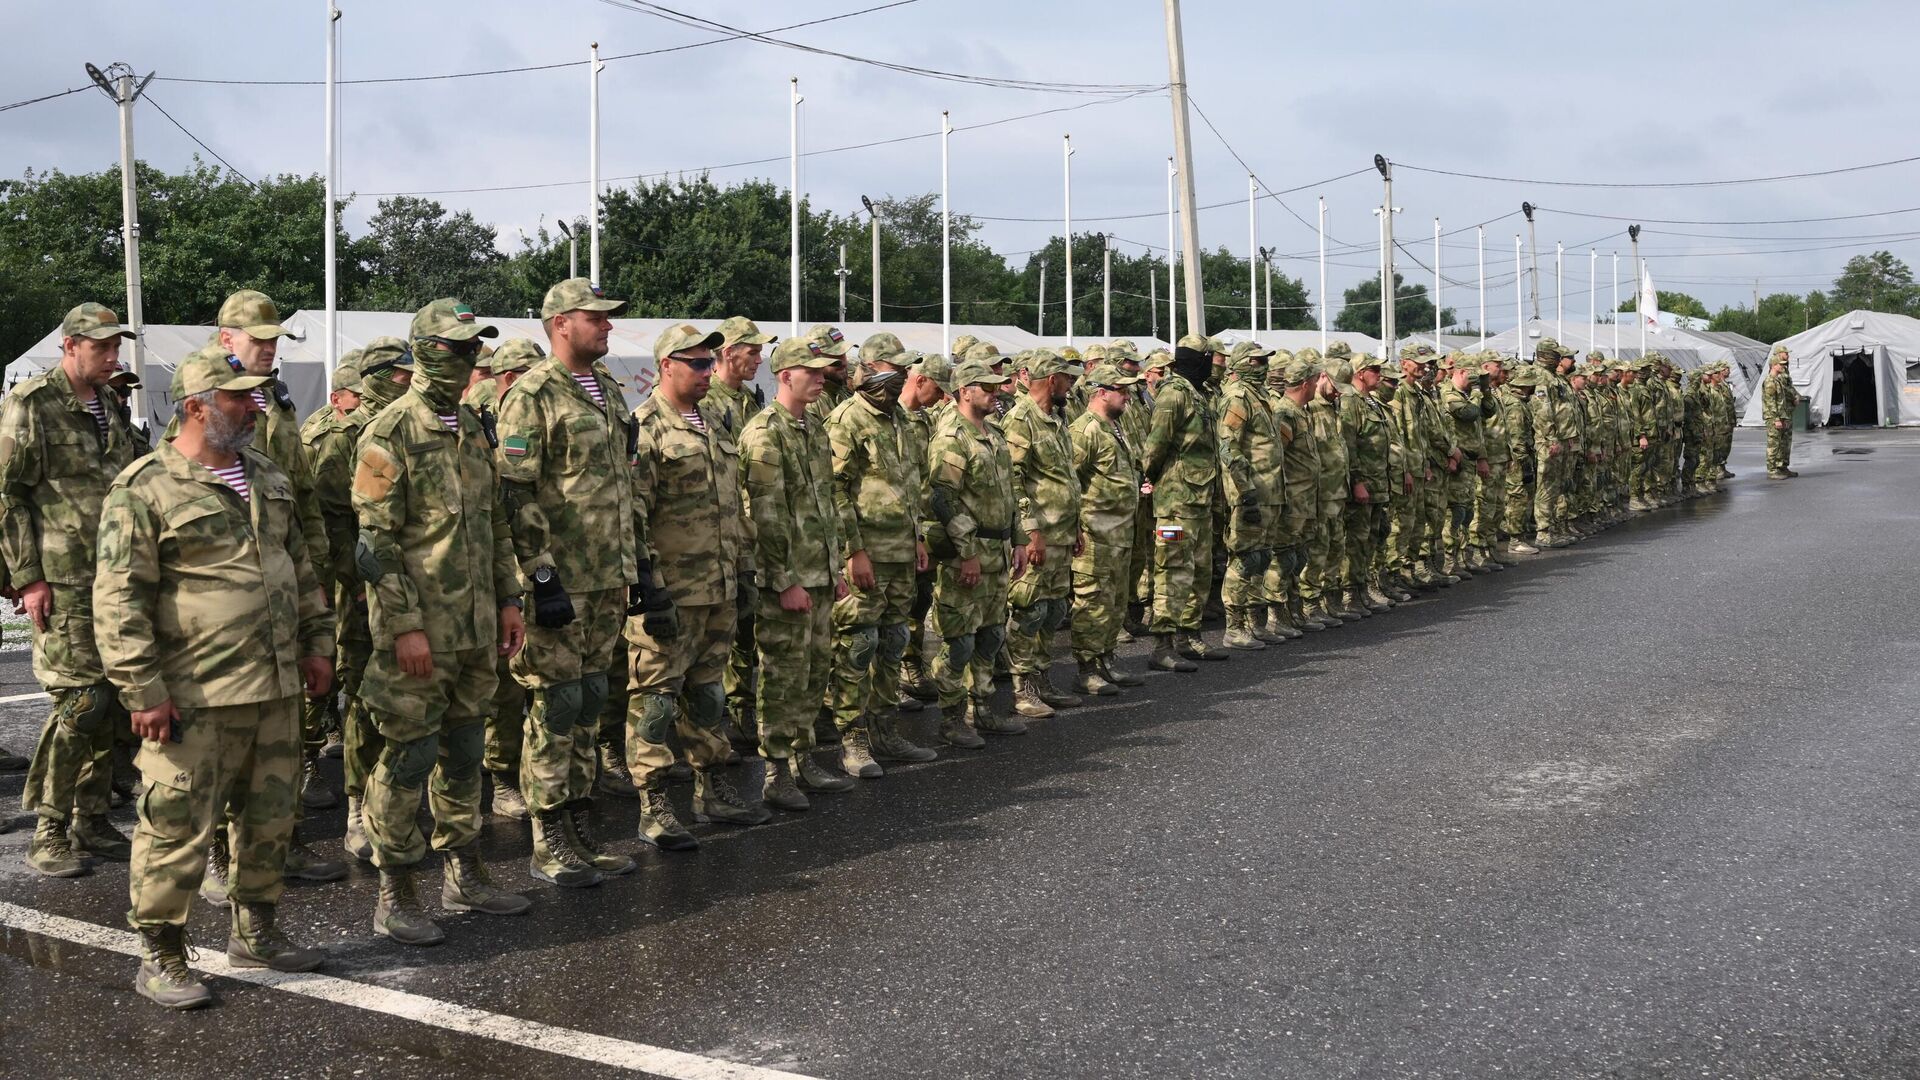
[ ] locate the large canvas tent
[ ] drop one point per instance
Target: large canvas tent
(1688, 349)
(1859, 370)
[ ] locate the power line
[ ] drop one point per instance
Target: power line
(148, 98)
(1664, 184)
(1686, 221)
(44, 97)
(1162, 213)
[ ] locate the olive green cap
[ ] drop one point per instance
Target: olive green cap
(1368, 360)
(1093, 354)
(207, 370)
(1302, 369)
(1550, 347)
(1068, 353)
(1336, 349)
(983, 352)
(1389, 374)
(1109, 375)
(347, 374)
(826, 340)
(383, 353)
(975, 373)
(882, 347)
(519, 354)
(937, 368)
(681, 337)
(1195, 342)
(578, 294)
(96, 321)
(1041, 363)
(1525, 375)
(253, 312)
(801, 353)
(1309, 354)
(1158, 358)
(961, 344)
(446, 318)
(740, 330)
(1419, 352)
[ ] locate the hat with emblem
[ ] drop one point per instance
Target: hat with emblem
(447, 319)
(826, 340)
(684, 336)
(1042, 363)
(253, 312)
(96, 321)
(578, 294)
(208, 370)
(740, 330)
(1158, 358)
(800, 353)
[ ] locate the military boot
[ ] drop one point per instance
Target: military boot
(1441, 575)
(468, 887)
(914, 682)
(397, 913)
(1051, 694)
(12, 762)
(1518, 546)
(51, 853)
(315, 793)
(336, 742)
(1376, 598)
(659, 825)
(355, 843)
(890, 745)
(1191, 646)
(1399, 587)
(743, 735)
(825, 731)
(164, 977)
(213, 882)
(1303, 616)
(956, 730)
(1503, 553)
(305, 864)
(716, 799)
(554, 857)
(1351, 608)
(856, 752)
(1165, 658)
(1117, 677)
(507, 800)
(1135, 620)
(778, 788)
(614, 779)
(988, 721)
(1279, 624)
(1240, 631)
(1319, 611)
(258, 942)
(93, 834)
(813, 776)
(1027, 700)
(909, 703)
(1089, 680)
(580, 834)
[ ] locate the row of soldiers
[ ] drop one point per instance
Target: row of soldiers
(477, 567)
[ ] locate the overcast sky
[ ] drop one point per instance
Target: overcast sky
(1627, 93)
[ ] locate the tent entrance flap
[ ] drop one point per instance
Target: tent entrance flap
(1856, 395)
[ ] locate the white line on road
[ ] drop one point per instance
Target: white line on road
(531, 1034)
(37, 695)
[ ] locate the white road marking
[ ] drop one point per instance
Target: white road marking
(37, 695)
(531, 1034)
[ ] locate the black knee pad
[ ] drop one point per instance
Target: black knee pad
(1032, 618)
(705, 705)
(892, 643)
(988, 640)
(862, 643)
(960, 652)
(657, 714)
(407, 764)
(90, 710)
(565, 706)
(593, 698)
(466, 748)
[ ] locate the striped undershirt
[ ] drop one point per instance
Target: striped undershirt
(452, 420)
(260, 398)
(99, 410)
(235, 477)
(693, 418)
(592, 387)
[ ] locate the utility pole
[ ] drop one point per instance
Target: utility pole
(1040, 328)
(1533, 251)
(593, 163)
(1266, 260)
(793, 200)
(875, 215)
(1389, 281)
(842, 275)
(1153, 305)
(117, 83)
(1106, 285)
(1253, 246)
(1173, 259)
(1183, 152)
(573, 248)
(1066, 161)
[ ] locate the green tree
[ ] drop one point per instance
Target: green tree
(985, 290)
(1412, 308)
(1876, 282)
(1673, 303)
(415, 252)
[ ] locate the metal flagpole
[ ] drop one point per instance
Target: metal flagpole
(1106, 285)
(793, 201)
(593, 161)
(1480, 237)
(1593, 292)
(946, 243)
(1519, 302)
(1322, 230)
(1559, 292)
(1436, 285)
(1616, 305)
(330, 242)
(1253, 249)
(1066, 165)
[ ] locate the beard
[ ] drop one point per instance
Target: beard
(227, 436)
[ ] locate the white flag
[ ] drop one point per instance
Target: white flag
(1649, 300)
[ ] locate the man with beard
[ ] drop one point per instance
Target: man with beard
(443, 597)
(212, 624)
(733, 400)
(1047, 494)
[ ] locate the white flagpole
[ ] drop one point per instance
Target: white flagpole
(332, 326)
(1559, 291)
(946, 243)
(1616, 305)
(1323, 274)
(1519, 302)
(593, 161)
(1480, 237)
(1593, 291)
(1436, 285)
(1253, 257)
(1066, 161)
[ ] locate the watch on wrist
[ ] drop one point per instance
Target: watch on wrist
(517, 602)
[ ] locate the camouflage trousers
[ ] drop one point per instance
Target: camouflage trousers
(1779, 452)
(1182, 568)
(360, 741)
(1140, 564)
(1549, 494)
(72, 765)
(564, 670)
(795, 651)
(506, 721)
(917, 616)
(742, 666)
(1326, 552)
(235, 766)
(1454, 528)
(1102, 573)
(1366, 526)
(1037, 601)
(432, 727)
(1435, 512)
(660, 671)
(870, 632)
(1519, 513)
(1489, 505)
(1403, 535)
(1282, 585)
(972, 625)
(1250, 551)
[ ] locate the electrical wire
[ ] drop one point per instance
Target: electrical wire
(1665, 184)
(43, 97)
(148, 98)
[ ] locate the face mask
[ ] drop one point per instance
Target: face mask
(881, 389)
(1385, 391)
(378, 392)
(1193, 366)
(439, 375)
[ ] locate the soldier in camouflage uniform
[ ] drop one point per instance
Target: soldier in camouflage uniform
(1717, 403)
(1556, 441)
(1778, 400)
(565, 455)
(1378, 472)
(969, 528)
(1490, 495)
(1181, 460)
(833, 344)
(1251, 462)
(1514, 398)
(925, 398)
(1460, 402)
(1390, 570)
(443, 599)
(1106, 463)
(787, 476)
(1047, 492)
(1639, 404)
(211, 624)
(506, 718)
(62, 440)
(1290, 386)
(693, 541)
(877, 477)
(329, 423)
(733, 399)
(1327, 550)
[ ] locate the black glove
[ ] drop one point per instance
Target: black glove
(552, 607)
(658, 616)
(745, 595)
(1250, 515)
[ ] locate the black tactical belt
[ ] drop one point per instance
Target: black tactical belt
(994, 534)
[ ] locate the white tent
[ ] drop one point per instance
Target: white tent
(1861, 369)
(1688, 349)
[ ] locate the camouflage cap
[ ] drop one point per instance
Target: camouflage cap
(125, 379)
(519, 354)
(1123, 343)
(1779, 353)
(1042, 363)
(1550, 348)
(1388, 374)
(740, 330)
(1525, 375)
(347, 374)
(1158, 358)
(1092, 354)
(982, 352)
(826, 340)
(1303, 369)
(1246, 349)
(962, 343)
(1416, 351)
(1368, 360)
(253, 312)
(1196, 342)
(975, 373)
(1109, 376)
(1068, 353)
(1596, 354)
(578, 294)
(800, 353)
(1338, 349)
(1342, 372)
(384, 353)
(937, 368)
(96, 321)
(684, 336)
(882, 347)
(1310, 354)
(208, 370)
(448, 319)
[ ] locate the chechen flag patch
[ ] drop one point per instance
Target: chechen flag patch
(463, 312)
(514, 445)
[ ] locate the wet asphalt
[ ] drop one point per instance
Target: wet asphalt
(1640, 807)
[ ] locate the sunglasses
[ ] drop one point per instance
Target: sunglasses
(704, 364)
(469, 347)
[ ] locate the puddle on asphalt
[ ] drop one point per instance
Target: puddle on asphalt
(1552, 785)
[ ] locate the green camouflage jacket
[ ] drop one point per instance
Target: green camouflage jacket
(55, 469)
(1493, 425)
(970, 482)
(1778, 398)
(876, 480)
(432, 527)
(1180, 454)
(1250, 450)
(687, 502)
(332, 438)
(1516, 421)
(202, 597)
(1373, 462)
(732, 408)
(566, 472)
(1299, 466)
(1462, 408)
(1107, 465)
(1046, 488)
(786, 469)
(1331, 484)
